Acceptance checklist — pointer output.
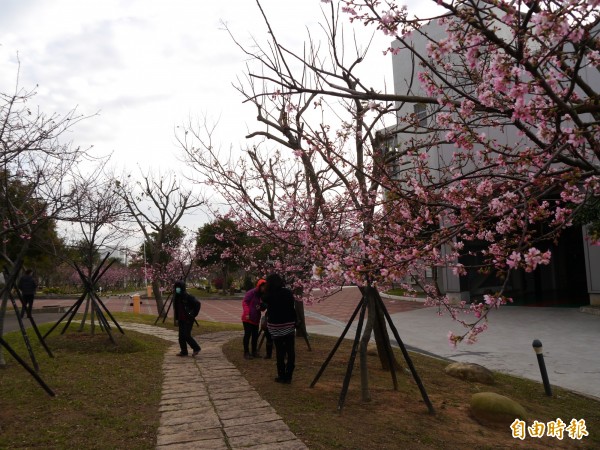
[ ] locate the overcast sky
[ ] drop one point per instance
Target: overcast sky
(145, 66)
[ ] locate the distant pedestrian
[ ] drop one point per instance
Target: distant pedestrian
(27, 285)
(251, 312)
(281, 323)
(186, 308)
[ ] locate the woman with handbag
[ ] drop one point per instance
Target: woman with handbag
(251, 312)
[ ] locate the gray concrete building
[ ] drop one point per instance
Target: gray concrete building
(573, 276)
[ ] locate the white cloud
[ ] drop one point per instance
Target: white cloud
(145, 65)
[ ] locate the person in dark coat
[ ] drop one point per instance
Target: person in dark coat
(281, 322)
(27, 285)
(184, 309)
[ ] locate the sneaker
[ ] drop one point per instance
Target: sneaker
(196, 352)
(182, 354)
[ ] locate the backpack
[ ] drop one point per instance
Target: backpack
(192, 308)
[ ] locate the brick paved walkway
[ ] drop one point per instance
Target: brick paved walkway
(229, 310)
(206, 403)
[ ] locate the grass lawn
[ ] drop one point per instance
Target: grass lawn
(108, 396)
(403, 293)
(399, 419)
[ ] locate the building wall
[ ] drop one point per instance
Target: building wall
(405, 70)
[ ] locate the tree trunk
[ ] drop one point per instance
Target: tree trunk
(157, 294)
(300, 320)
(382, 338)
(2, 315)
(224, 287)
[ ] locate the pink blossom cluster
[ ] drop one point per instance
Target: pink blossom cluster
(337, 210)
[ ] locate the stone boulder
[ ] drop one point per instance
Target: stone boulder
(470, 372)
(490, 408)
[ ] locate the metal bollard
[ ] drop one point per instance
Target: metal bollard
(136, 304)
(537, 347)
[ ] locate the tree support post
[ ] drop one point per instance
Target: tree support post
(406, 356)
(41, 382)
(337, 344)
(352, 357)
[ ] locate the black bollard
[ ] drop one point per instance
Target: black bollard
(537, 347)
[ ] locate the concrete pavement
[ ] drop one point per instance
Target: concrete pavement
(570, 339)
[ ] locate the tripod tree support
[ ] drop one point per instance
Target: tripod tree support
(361, 319)
(362, 307)
(337, 344)
(37, 378)
(93, 301)
(406, 356)
(10, 278)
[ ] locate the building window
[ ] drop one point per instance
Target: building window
(420, 111)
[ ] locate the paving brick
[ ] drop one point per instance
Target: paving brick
(234, 413)
(295, 444)
(187, 436)
(239, 403)
(209, 444)
(250, 420)
(258, 437)
(265, 427)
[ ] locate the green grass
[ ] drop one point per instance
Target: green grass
(403, 293)
(399, 419)
(107, 396)
(205, 326)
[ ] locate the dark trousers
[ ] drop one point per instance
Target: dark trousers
(269, 339)
(27, 305)
(250, 331)
(286, 355)
(185, 336)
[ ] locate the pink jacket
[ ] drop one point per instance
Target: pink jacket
(251, 307)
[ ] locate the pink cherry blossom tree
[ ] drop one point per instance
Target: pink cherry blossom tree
(376, 208)
(157, 203)
(319, 203)
(527, 68)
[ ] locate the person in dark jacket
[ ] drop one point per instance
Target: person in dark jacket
(281, 323)
(251, 312)
(27, 285)
(184, 308)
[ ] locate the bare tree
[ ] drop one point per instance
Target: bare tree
(326, 192)
(100, 225)
(157, 204)
(35, 180)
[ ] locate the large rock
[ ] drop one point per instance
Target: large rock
(470, 372)
(491, 408)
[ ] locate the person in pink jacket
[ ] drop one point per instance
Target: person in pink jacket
(251, 318)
